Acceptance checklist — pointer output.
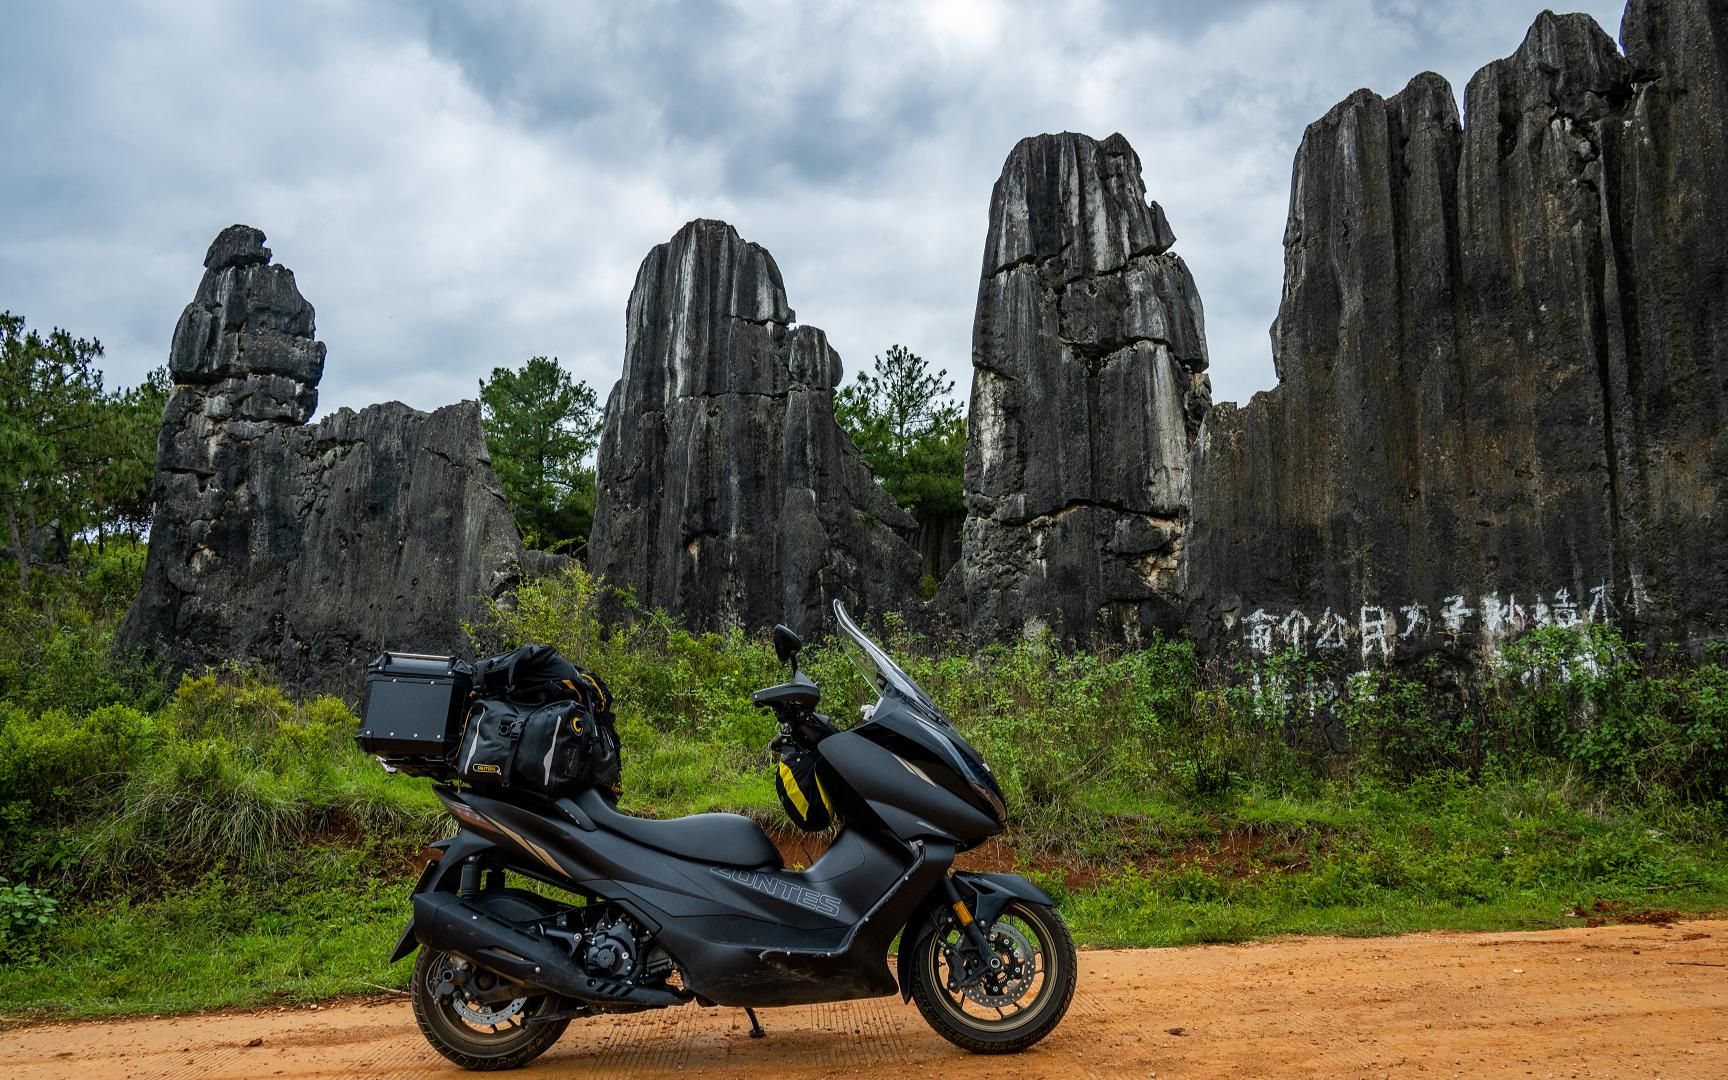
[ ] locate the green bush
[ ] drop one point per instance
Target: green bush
(245, 776)
(1643, 729)
(56, 641)
(1393, 730)
(59, 764)
(26, 915)
(237, 705)
(230, 770)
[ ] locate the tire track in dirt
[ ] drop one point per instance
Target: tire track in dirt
(1610, 1001)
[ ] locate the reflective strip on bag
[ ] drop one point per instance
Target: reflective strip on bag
(546, 766)
(474, 745)
(789, 784)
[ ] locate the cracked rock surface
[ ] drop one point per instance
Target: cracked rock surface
(308, 548)
(728, 495)
(1088, 382)
(1502, 351)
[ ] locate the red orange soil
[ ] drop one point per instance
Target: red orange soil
(1585, 1002)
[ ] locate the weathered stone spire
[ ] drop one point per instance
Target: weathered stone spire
(728, 495)
(1089, 360)
(307, 548)
(1503, 362)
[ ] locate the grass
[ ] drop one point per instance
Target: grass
(167, 847)
(1358, 859)
(235, 942)
(1446, 853)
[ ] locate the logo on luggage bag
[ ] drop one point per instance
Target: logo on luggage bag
(486, 768)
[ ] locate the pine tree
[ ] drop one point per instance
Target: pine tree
(57, 432)
(541, 426)
(904, 422)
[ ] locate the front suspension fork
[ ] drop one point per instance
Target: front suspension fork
(988, 965)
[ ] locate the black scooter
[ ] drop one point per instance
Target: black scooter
(701, 909)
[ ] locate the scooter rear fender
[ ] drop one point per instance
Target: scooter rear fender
(452, 853)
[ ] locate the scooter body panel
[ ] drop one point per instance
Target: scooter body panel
(904, 796)
(756, 937)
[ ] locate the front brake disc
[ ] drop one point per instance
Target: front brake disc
(1018, 969)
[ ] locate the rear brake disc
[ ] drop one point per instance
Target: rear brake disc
(486, 1015)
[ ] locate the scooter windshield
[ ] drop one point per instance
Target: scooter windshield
(881, 671)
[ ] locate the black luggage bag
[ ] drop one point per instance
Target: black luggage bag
(799, 786)
(554, 749)
(540, 723)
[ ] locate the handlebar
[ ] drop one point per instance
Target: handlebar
(807, 730)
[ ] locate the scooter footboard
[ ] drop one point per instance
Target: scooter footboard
(985, 893)
(731, 959)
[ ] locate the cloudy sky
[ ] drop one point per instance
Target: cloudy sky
(459, 186)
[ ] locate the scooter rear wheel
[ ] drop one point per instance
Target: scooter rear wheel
(477, 1036)
(1034, 990)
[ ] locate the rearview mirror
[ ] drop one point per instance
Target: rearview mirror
(786, 645)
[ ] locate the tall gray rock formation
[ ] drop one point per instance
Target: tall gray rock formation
(1503, 362)
(728, 495)
(307, 547)
(1088, 382)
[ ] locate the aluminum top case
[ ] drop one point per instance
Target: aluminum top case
(414, 709)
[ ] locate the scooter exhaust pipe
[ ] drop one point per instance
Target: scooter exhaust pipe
(446, 922)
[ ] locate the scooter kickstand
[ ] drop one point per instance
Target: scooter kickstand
(756, 1031)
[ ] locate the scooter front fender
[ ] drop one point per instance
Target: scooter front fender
(986, 893)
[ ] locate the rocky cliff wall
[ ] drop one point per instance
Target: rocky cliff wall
(1088, 381)
(309, 548)
(728, 495)
(1502, 353)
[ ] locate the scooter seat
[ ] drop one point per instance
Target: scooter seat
(728, 839)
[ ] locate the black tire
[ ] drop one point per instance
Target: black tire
(1040, 1007)
(515, 1044)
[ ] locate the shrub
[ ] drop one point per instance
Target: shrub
(56, 640)
(695, 684)
(252, 804)
(26, 914)
(1550, 684)
(57, 764)
(1642, 729)
(1392, 730)
(235, 704)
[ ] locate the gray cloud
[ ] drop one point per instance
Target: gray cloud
(464, 185)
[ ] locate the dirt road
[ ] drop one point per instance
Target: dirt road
(1612, 1001)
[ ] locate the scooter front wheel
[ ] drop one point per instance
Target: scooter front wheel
(474, 1034)
(1016, 1006)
